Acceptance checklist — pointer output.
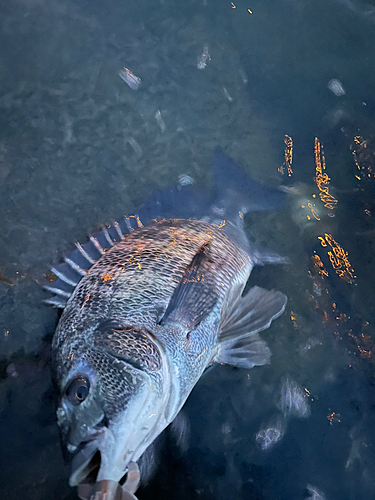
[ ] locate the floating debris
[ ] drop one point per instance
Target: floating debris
(293, 399)
(364, 344)
(227, 95)
(204, 58)
(358, 449)
(271, 434)
(130, 79)
(160, 121)
(315, 493)
(5, 279)
(50, 276)
(333, 417)
(293, 319)
(135, 146)
(11, 370)
(336, 87)
(185, 180)
(243, 76)
(306, 347)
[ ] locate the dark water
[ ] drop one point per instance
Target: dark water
(78, 148)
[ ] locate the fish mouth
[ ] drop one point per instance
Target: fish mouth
(84, 471)
(86, 459)
(85, 464)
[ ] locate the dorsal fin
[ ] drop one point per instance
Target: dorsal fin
(192, 300)
(83, 257)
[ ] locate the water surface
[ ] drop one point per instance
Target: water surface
(79, 148)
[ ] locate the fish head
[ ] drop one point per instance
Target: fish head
(110, 409)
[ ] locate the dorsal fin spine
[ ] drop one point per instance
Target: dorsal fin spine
(63, 277)
(118, 229)
(84, 253)
(107, 236)
(75, 266)
(128, 225)
(56, 301)
(57, 291)
(97, 245)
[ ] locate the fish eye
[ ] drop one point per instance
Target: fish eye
(78, 390)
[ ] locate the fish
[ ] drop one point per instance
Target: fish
(148, 305)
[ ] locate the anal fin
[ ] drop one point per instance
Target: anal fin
(240, 344)
(245, 352)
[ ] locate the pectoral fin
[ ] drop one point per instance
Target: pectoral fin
(240, 344)
(193, 299)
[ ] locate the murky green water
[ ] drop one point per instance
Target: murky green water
(79, 148)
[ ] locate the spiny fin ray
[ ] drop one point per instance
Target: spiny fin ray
(79, 262)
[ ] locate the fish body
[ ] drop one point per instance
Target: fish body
(142, 325)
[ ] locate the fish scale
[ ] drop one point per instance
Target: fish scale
(149, 262)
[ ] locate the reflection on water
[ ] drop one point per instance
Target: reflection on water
(79, 148)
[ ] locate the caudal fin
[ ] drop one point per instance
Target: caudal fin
(237, 192)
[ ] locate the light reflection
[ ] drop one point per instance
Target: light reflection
(319, 266)
(333, 417)
(364, 158)
(321, 178)
(293, 319)
(338, 258)
(288, 157)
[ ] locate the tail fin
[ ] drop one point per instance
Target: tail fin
(238, 192)
(233, 191)
(182, 201)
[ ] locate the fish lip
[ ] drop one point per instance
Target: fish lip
(81, 462)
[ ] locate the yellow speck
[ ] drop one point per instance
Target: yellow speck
(357, 177)
(139, 265)
(249, 11)
(107, 277)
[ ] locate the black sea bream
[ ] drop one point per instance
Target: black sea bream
(146, 313)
